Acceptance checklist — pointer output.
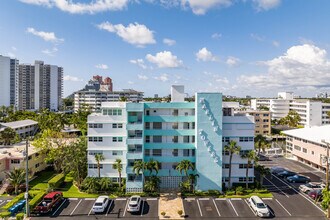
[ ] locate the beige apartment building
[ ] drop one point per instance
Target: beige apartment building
(262, 120)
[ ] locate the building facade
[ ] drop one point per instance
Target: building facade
(23, 128)
(309, 145)
(312, 113)
(169, 133)
(8, 81)
(262, 120)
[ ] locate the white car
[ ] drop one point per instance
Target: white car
(259, 207)
(134, 204)
(308, 187)
(100, 204)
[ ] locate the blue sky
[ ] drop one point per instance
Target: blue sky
(238, 47)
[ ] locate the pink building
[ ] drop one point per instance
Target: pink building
(307, 145)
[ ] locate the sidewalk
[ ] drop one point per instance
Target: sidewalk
(170, 203)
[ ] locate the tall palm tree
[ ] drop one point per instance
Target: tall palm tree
(7, 136)
(99, 158)
(260, 142)
(184, 166)
(153, 165)
(119, 167)
(251, 157)
(192, 178)
(16, 177)
(232, 148)
(263, 171)
(105, 184)
(139, 167)
(152, 184)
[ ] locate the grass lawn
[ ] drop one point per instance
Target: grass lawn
(41, 181)
(71, 191)
(261, 195)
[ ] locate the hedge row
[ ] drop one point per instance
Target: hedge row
(36, 199)
(5, 215)
(56, 181)
(13, 202)
(20, 216)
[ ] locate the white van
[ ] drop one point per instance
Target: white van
(100, 204)
(259, 207)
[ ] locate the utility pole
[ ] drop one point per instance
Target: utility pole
(27, 178)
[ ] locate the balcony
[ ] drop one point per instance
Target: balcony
(170, 159)
(134, 155)
(170, 145)
(137, 183)
(168, 172)
(169, 118)
(170, 132)
(134, 126)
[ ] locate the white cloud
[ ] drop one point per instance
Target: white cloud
(301, 67)
(169, 42)
(50, 52)
(143, 77)
(47, 36)
(205, 55)
(72, 78)
(136, 34)
(276, 43)
(11, 55)
(264, 5)
(139, 62)
(165, 59)
(223, 80)
(92, 7)
(162, 77)
(257, 37)
(216, 36)
(200, 7)
(102, 66)
(232, 61)
(13, 48)
(130, 82)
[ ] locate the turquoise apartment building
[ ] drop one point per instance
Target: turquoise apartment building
(170, 132)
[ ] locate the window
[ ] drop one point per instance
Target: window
(246, 139)
(156, 152)
(185, 139)
(243, 179)
(147, 125)
(312, 152)
(266, 115)
(265, 126)
(15, 161)
(225, 166)
(225, 179)
(94, 166)
(112, 112)
(175, 125)
(114, 125)
(225, 153)
(225, 139)
(175, 139)
(257, 120)
(95, 139)
(117, 139)
(193, 152)
(245, 165)
(120, 125)
(186, 152)
(296, 147)
(304, 150)
(147, 139)
(117, 153)
(94, 152)
(95, 125)
(147, 112)
(157, 139)
(175, 152)
(146, 152)
(157, 125)
(265, 120)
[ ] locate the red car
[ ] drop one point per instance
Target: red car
(316, 194)
(50, 201)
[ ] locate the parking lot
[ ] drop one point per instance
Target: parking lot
(4, 201)
(82, 209)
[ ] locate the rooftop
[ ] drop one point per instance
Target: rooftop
(16, 150)
(18, 124)
(314, 134)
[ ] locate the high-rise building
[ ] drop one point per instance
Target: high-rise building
(170, 132)
(8, 81)
(40, 86)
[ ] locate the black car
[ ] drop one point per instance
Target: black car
(298, 179)
(285, 174)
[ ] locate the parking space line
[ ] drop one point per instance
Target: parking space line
(188, 199)
(204, 199)
(232, 206)
(216, 207)
(76, 207)
(267, 199)
(125, 208)
(90, 211)
(119, 199)
(236, 199)
(142, 208)
(106, 214)
(73, 199)
(151, 199)
(283, 207)
(276, 187)
(220, 199)
(299, 193)
(199, 207)
(249, 205)
(2, 202)
(91, 199)
(64, 201)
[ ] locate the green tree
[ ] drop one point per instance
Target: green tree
(192, 179)
(328, 113)
(7, 136)
(90, 185)
(232, 148)
(292, 119)
(260, 142)
(16, 177)
(99, 158)
(152, 184)
(263, 171)
(139, 167)
(184, 166)
(251, 158)
(153, 165)
(105, 183)
(119, 167)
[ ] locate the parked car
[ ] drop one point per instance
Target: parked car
(276, 169)
(285, 174)
(259, 207)
(308, 187)
(316, 194)
(134, 204)
(49, 201)
(100, 204)
(298, 179)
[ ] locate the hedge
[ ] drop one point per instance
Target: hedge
(56, 181)
(20, 216)
(13, 202)
(36, 199)
(5, 215)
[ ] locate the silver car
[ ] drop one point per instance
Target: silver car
(134, 204)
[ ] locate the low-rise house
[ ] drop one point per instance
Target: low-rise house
(23, 128)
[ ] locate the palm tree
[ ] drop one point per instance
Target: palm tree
(99, 158)
(232, 148)
(105, 184)
(263, 171)
(7, 136)
(192, 177)
(260, 142)
(139, 167)
(184, 166)
(16, 177)
(251, 157)
(153, 165)
(152, 184)
(118, 166)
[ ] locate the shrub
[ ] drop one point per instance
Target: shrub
(56, 181)
(36, 199)
(239, 190)
(213, 193)
(5, 215)
(230, 193)
(180, 212)
(20, 216)
(163, 213)
(14, 201)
